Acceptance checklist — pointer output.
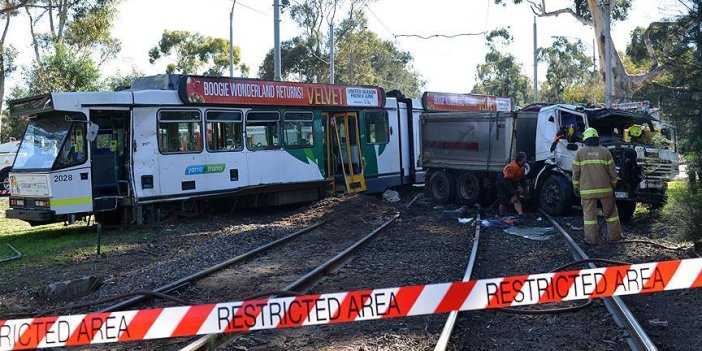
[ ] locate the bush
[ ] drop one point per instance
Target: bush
(682, 214)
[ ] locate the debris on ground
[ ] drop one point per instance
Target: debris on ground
(658, 323)
(574, 227)
(501, 222)
(457, 213)
(391, 196)
(531, 233)
(465, 220)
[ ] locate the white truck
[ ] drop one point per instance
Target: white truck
(463, 152)
(8, 151)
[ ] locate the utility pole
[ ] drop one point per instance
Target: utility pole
(276, 38)
(331, 53)
(536, 84)
(608, 52)
(231, 41)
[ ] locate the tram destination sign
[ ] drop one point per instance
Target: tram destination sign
(433, 101)
(236, 91)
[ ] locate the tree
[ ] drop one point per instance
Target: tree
(193, 52)
(569, 71)
(361, 57)
(589, 13)
(10, 9)
(501, 75)
(678, 92)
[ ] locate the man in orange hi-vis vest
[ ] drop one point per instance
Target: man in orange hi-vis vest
(594, 178)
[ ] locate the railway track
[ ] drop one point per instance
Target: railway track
(300, 285)
(636, 337)
(299, 259)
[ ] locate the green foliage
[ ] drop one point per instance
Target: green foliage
(361, 57)
(194, 53)
(120, 80)
(679, 91)
(569, 69)
(64, 70)
(12, 128)
(501, 75)
(681, 214)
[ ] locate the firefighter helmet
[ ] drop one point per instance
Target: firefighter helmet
(635, 130)
(590, 133)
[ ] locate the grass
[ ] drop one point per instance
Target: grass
(59, 244)
(681, 216)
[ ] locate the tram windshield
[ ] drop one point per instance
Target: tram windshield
(51, 142)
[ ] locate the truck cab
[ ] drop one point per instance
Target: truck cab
(643, 169)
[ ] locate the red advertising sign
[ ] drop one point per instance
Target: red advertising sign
(237, 91)
(465, 102)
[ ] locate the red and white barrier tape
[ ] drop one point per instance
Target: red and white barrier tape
(351, 306)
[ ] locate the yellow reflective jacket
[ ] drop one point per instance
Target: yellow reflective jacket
(594, 174)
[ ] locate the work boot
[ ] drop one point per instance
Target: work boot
(615, 238)
(592, 240)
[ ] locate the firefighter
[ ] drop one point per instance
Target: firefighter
(594, 178)
(640, 134)
(509, 182)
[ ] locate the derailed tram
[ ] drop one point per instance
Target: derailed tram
(175, 142)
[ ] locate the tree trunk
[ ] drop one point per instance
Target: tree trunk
(624, 84)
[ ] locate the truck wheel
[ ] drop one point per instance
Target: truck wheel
(626, 210)
(442, 187)
(427, 183)
(468, 189)
(556, 196)
(4, 184)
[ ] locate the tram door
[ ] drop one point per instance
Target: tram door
(344, 151)
(109, 158)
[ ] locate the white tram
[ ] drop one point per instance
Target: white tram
(188, 141)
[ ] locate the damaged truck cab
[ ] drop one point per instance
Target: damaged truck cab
(643, 170)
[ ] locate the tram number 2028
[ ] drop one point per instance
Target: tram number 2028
(63, 178)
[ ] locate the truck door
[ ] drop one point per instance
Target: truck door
(109, 153)
(576, 122)
(344, 150)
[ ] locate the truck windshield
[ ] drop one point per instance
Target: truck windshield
(43, 145)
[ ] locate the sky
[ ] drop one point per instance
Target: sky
(447, 65)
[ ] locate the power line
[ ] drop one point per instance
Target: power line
(448, 36)
(253, 9)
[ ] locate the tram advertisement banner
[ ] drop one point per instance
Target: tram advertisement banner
(236, 91)
(465, 102)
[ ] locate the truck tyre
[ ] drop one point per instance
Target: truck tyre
(626, 210)
(4, 184)
(468, 189)
(556, 196)
(442, 187)
(427, 183)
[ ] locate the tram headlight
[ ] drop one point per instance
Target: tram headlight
(41, 203)
(17, 202)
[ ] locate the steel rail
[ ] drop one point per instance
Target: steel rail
(205, 272)
(637, 339)
(445, 336)
(304, 282)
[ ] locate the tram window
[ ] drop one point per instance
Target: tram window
(73, 151)
(298, 130)
(179, 131)
(224, 131)
(262, 130)
(377, 127)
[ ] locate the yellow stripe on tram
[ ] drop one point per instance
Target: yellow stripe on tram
(68, 202)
